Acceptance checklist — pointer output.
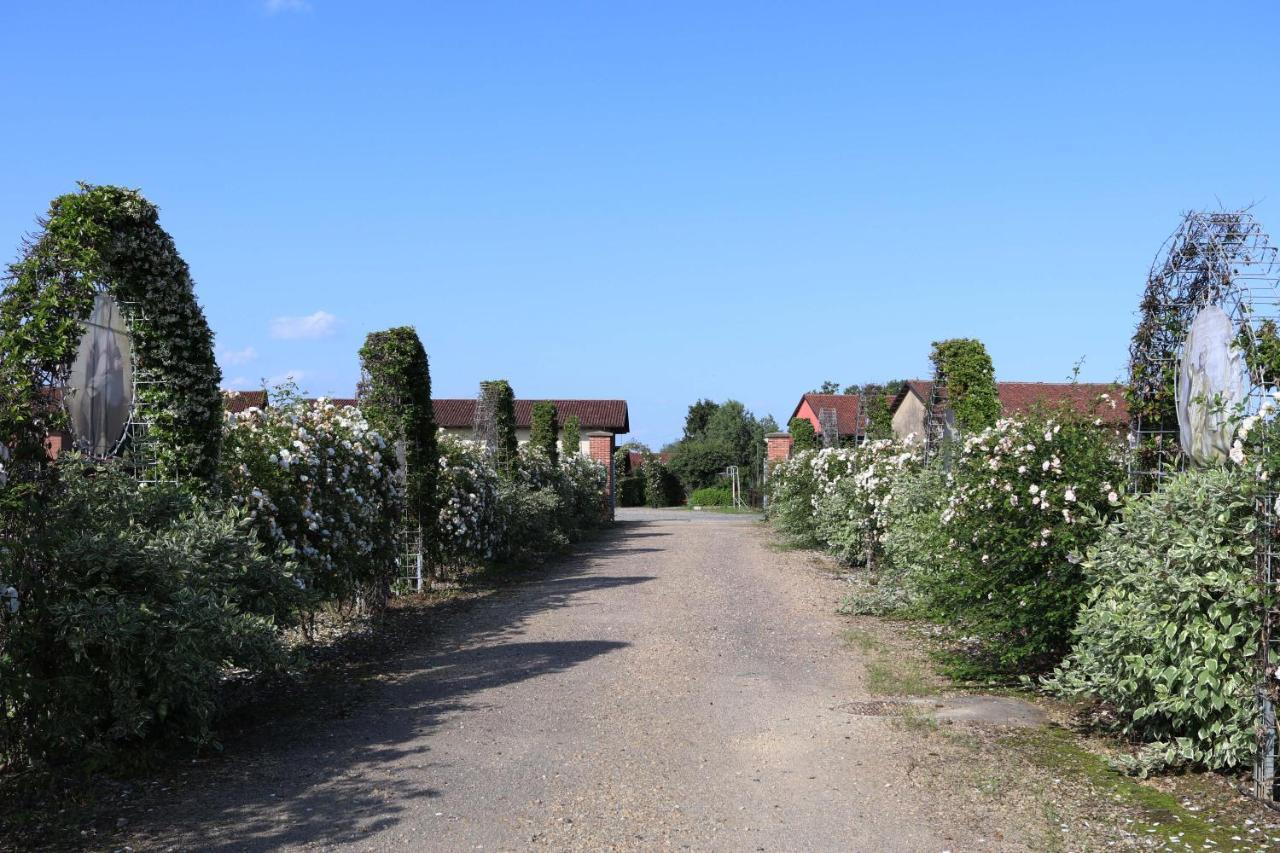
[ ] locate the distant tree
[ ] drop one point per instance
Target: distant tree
(695, 423)
(828, 387)
(803, 435)
(544, 429)
(571, 436)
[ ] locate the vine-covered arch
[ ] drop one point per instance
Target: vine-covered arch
(1220, 267)
(105, 239)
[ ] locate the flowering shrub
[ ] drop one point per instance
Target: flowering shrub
(853, 487)
(792, 490)
(1025, 499)
(909, 524)
(470, 528)
(321, 487)
(1169, 637)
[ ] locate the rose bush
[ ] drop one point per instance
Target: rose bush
(1026, 498)
(470, 526)
(321, 488)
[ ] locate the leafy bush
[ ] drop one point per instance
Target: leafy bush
(470, 529)
(135, 602)
(1024, 501)
(320, 487)
(631, 490)
(712, 496)
(803, 435)
(963, 367)
(661, 486)
(571, 436)
(395, 398)
(1169, 637)
(502, 431)
(792, 490)
(544, 428)
(911, 539)
(851, 493)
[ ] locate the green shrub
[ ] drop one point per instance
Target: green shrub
(963, 367)
(395, 397)
(571, 436)
(631, 490)
(1169, 637)
(792, 490)
(1024, 501)
(661, 487)
(544, 429)
(502, 431)
(712, 496)
(135, 604)
(803, 435)
(912, 539)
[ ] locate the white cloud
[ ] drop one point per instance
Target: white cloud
(318, 325)
(230, 358)
(295, 376)
(275, 7)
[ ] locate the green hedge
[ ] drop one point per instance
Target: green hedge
(712, 496)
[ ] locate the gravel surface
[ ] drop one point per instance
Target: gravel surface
(678, 683)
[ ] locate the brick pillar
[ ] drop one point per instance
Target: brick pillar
(779, 446)
(602, 451)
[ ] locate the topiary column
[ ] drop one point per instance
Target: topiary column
(395, 396)
(571, 436)
(543, 429)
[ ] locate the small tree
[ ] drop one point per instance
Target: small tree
(803, 435)
(571, 436)
(963, 367)
(502, 406)
(545, 423)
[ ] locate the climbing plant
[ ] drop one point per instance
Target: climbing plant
(542, 433)
(571, 436)
(395, 398)
(108, 239)
(501, 402)
(803, 435)
(963, 368)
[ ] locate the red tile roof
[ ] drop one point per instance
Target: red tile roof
(846, 406)
(611, 415)
(1016, 397)
(238, 401)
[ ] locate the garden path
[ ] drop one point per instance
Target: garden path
(676, 683)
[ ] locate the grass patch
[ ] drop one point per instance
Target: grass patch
(861, 640)
(1157, 814)
(895, 677)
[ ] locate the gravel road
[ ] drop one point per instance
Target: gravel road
(676, 684)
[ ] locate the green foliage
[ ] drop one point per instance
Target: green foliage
(695, 422)
(1025, 500)
(722, 435)
(544, 506)
(912, 540)
(395, 398)
(827, 387)
(571, 436)
(134, 604)
(544, 429)
(661, 486)
(963, 368)
(503, 402)
(712, 496)
(793, 491)
(631, 490)
(803, 435)
(1169, 637)
(108, 238)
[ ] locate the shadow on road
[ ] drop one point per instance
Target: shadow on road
(336, 776)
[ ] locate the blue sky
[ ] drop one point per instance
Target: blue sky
(656, 201)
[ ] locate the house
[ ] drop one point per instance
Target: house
(457, 417)
(842, 408)
(239, 401)
(911, 406)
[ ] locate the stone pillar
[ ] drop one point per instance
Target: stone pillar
(602, 451)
